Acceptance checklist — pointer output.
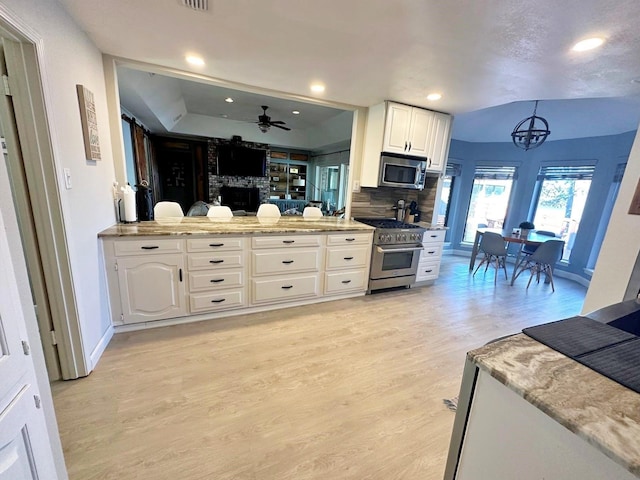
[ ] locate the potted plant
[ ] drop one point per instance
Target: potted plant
(525, 228)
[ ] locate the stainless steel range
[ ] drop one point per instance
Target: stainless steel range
(396, 252)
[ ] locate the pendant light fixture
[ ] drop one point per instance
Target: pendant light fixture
(530, 132)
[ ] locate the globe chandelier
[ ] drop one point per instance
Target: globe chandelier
(530, 132)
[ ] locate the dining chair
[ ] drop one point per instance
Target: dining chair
(268, 210)
(167, 209)
(493, 246)
(198, 209)
(542, 261)
(218, 211)
(311, 212)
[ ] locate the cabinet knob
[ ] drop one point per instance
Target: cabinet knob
(150, 247)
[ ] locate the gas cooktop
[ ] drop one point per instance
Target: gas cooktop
(386, 223)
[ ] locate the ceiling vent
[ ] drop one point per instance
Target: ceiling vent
(202, 5)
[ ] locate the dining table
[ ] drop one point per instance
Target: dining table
(532, 238)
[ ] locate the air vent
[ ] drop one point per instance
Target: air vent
(202, 5)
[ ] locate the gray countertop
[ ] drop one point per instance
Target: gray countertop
(597, 409)
(234, 226)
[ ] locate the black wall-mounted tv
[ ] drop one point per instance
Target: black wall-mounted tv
(241, 161)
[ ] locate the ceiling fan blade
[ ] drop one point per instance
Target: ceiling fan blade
(280, 126)
(278, 121)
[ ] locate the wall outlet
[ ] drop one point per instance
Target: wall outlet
(356, 186)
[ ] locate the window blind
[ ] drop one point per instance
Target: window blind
(617, 178)
(579, 172)
(495, 173)
(453, 170)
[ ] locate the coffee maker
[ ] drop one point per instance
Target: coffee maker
(144, 201)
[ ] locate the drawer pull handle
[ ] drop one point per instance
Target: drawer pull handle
(287, 261)
(350, 239)
(216, 261)
(428, 271)
(218, 301)
(348, 258)
(431, 252)
(434, 236)
(346, 281)
(217, 280)
(216, 244)
(180, 273)
(150, 247)
(286, 287)
(288, 241)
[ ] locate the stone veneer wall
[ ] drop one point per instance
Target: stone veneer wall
(217, 181)
(379, 202)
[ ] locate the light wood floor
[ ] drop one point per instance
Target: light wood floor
(351, 389)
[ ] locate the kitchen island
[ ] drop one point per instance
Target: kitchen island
(529, 412)
(178, 270)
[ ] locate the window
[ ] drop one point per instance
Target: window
(452, 171)
(489, 199)
(562, 194)
(606, 215)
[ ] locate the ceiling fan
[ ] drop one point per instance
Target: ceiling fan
(265, 123)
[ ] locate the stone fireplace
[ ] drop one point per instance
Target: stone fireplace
(240, 198)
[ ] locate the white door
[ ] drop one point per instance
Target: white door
(420, 132)
(24, 442)
(396, 130)
(439, 144)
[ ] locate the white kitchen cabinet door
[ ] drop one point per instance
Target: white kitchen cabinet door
(438, 148)
(420, 132)
(152, 287)
(396, 131)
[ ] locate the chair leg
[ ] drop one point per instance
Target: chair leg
(549, 272)
(504, 266)
(530, 278)
(484, 259)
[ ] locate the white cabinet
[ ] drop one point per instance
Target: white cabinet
(431, 255)
(217, 273)
(347, 263)
(152, 287)
(406, 130)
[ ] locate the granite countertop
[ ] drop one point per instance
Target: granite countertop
(234, 226)
(597, 409)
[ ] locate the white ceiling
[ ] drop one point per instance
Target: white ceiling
(479, 54)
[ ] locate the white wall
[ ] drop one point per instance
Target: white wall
(70, 58)
(621, 243)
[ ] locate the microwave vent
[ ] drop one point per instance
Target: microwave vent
(202, 5)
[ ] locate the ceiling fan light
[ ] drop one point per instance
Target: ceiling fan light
(263, 128)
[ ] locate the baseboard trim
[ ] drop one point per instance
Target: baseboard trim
(100, 347)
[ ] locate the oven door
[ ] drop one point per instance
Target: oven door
(389, 261)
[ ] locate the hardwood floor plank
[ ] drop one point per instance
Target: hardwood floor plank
(351, 389)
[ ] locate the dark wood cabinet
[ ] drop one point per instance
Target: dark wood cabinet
(181, 171)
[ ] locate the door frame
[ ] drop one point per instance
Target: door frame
(30, 94)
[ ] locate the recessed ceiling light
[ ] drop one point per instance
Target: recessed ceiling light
(588, 44)
(194, 60)
(224, 115)
(317, 88)
(296, 112)
(434, 96)
(228, 100)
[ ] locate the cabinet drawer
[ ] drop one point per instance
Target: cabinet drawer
(337, 282)
(202, 261)
(349, 239)
(433, 236)
(285, 288)
(286, 241)
(214, 244)
(207, 302)
(207, 280)
(430, 253)
(347, 257)
(427, 271)
(291, 261)
(143, 247)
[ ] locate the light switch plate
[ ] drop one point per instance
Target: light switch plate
(67, 178)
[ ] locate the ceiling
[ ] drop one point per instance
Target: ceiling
(488, 59)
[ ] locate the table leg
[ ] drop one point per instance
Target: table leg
(474, 250)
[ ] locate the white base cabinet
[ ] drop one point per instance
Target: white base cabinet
(159, 279)
(431, 255)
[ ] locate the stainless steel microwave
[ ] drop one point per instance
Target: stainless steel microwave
(402, 172)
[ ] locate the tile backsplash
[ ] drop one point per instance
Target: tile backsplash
(379, 202)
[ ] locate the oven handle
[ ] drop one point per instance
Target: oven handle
(392, 250)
